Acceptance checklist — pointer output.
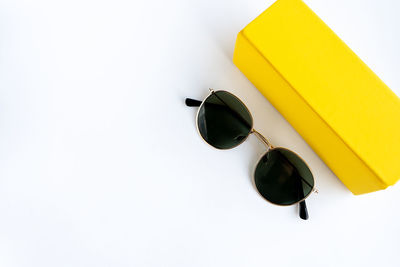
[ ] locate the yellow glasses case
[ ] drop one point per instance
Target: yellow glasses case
(334, 101)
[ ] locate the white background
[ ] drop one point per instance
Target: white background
(100, 161)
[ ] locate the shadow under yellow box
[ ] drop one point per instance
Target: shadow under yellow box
(337, 104)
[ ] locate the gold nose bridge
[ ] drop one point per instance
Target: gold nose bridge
(263, 139)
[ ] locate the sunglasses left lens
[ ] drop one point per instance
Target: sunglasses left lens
(282, 177)
(223, 120)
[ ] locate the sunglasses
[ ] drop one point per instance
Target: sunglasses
(281, 176)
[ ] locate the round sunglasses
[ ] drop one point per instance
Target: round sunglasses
(281, 176)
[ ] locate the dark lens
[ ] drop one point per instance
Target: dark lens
(282, 177)
(223, 120)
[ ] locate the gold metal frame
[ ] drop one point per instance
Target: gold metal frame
(263, 139)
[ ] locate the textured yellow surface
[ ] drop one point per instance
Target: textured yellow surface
(340, 107)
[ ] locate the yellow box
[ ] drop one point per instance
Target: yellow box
(334, 101)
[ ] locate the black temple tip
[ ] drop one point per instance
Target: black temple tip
(192, 102)
(303, 210)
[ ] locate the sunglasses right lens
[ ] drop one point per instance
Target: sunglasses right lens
(223, 120)
(282, 177)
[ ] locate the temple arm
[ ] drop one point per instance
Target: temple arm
(196, 103)
(303, 213)
(192, 102)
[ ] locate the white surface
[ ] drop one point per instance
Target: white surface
(101, 164)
